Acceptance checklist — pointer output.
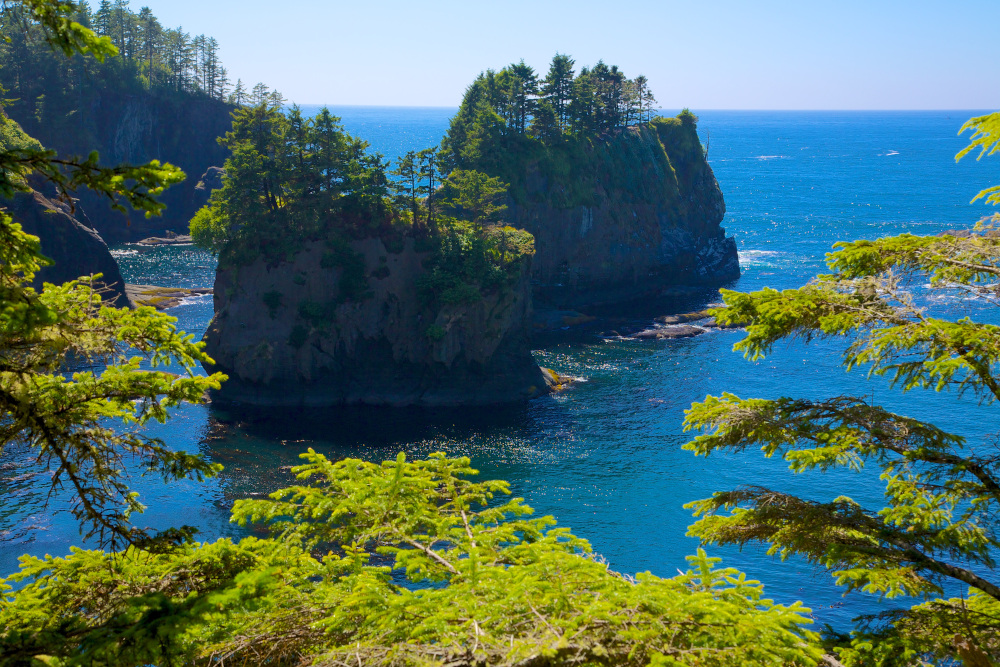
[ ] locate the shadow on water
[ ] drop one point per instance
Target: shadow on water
(628, 317)
(356, 428)
(258, 445)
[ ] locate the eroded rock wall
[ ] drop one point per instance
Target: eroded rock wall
(286, 336)
(136, 127)
(654, 221)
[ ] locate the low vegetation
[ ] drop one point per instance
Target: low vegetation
(399, 563)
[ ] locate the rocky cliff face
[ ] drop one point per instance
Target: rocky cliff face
(137, 127)
(287, 336)
(653, 219)
(76, 249)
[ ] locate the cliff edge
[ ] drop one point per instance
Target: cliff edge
(637, 211)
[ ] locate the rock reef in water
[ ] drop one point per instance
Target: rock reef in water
(287, 335)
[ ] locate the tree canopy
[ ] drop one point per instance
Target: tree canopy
(942, 491)
(399, 563)
(83, 427)
(290, 179)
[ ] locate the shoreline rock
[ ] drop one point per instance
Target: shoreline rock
(670, 332)
(160, 298)
(66, 238)
(169, 239)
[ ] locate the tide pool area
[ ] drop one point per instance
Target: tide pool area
(605, 456)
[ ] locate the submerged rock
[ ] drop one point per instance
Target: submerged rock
(169, 239)
(287, 334)
(161, 298)
(682, 318)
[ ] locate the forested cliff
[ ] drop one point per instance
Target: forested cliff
(165, 97)
(331, 292)
(621, 202)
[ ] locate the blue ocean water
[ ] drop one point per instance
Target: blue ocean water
(605, 457)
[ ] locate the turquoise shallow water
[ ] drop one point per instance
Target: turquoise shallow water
(605, 457)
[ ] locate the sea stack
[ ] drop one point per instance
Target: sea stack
(287, 334)
(650, 219)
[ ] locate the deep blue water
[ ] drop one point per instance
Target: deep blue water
(605, 457)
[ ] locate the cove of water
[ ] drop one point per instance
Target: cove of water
(605, 457)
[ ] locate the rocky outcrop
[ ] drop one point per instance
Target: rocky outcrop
(75, 248)
(210, 180)
(648, 218)
(135, 127)
(286, 335)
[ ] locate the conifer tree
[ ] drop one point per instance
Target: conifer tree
(102, 20)
(480, 197)
(239, 95)
(429, 177)
(522, 88)
(83, 426)
(151, 31)
(545, 124)
(558, 88)
(942, 490)
(407, 173)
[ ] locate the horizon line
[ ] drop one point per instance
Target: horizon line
(666, 109)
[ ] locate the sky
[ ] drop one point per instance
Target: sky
(702, 54)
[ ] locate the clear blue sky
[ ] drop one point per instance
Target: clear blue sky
(703, 54)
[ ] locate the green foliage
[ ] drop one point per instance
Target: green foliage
(500, 109)
(353, 283)
(435, 332)
(475, 196)
(137, 607)
(508, 136)
(315, 312)
(290, 180)
(469, 262)
(571, 171)
(83, 427)
(298, 336)
(208, 231)
(273, 302)
(136, 57)
(985, 137)
(483, 583)
(938, 524)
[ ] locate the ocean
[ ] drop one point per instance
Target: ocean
(605, 457)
